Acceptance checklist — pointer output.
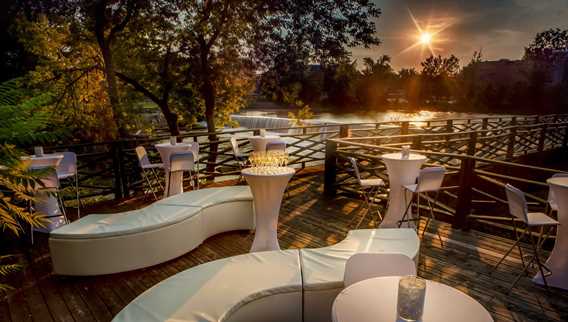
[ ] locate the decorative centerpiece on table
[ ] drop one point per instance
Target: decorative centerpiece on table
(267, 176)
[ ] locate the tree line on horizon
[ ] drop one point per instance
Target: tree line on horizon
(440, 82)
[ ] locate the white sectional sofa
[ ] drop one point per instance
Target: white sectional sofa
(274, 286)
(171, 227)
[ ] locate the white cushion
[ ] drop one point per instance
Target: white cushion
(540, 219)
(214, 291)
(129, 222)
(210, 196)
(324, 268)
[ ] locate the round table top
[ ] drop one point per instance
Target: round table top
(48, 156)
(398, 157)
(268, 171)
(558, 181)
(375, 300)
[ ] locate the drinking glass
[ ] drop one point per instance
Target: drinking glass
(411, 295)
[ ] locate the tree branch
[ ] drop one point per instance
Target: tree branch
(130, 10)
(139, 87)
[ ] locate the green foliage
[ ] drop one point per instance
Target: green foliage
(548, 45)
(303, 114)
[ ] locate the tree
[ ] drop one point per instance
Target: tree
(438, 76)
(340, 84)
(409, 82)
(376, 79)
(548, 45)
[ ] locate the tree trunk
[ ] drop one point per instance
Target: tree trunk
(171, 119)
(208, 93)
(112, 88)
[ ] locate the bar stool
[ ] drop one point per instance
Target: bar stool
(67, 169)
(50, 182)
(369, 187)
(276, 146)
(518, 210)
(429, 181)
(195, 150)
(239, 157)
(181, 162)
(146, 166)
(552, 205)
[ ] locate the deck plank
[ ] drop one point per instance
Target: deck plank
(307, 220)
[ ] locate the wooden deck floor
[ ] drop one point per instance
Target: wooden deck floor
(307, 220)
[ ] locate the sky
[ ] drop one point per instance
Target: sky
(499, 28)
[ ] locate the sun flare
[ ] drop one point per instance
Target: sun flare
(425, 38)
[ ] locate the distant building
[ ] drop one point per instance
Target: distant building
(507, 72)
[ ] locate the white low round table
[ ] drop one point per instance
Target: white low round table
(375, 300)
(401, 172)
(259, 142)
(165, 150)
(45, 202)
(558, 260)
(267, 185)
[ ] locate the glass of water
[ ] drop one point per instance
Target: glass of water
(411, 294)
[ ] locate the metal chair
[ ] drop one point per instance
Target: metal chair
(195, 150)
(364, 266)
(239, 157)
(276, 146)
(429, 181)
(369, 187)
(552, 205)
(51, 184)
(518, 209)
(68, 169)
(181, 162)
(148, 167)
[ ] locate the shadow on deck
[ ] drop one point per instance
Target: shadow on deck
(307, 220)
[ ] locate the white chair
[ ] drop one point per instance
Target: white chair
(68, 169)
(276, 146)
(50, 183)
(429, 181)
(181, 162)
(369, 187)
(239, 157)
(518, 209)
(195, 150)
(364, 266)
(553, 206)
(148, 167)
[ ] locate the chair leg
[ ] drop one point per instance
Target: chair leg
(375, 196)
(516, 244)
(541, 266)
(62, 205)
(150, 186)
(429, 218)
(77, 192)
(407, 208)
(157, 179)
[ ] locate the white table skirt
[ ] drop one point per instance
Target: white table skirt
(401, 172)
(45, 202)
(375, 300)
(166, 149)
(558, 260)
(259, 142)
(267, 185)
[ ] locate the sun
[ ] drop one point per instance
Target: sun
(425, 38)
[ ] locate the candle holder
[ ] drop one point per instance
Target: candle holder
(410, 301)
(38, 151)
(268, 159)
(262, 132)
(405, 153)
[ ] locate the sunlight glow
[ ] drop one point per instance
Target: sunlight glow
(426, 38)
(428, 34)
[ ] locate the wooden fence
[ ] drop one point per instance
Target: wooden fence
(110, 169)
(476, 154)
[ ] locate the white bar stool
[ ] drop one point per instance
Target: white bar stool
(429, 181)
(369, 187)
(518, 209)
(68, 169)
(149, 167)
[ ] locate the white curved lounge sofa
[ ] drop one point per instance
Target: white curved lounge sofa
(171, 227)
(274, 286)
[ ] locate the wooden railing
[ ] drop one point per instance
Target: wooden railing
(110, 169)
(478, 160)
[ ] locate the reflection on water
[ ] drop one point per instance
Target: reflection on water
(370, 117)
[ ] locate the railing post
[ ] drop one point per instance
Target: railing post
(565, 140)
(512, 141)
(404, 127)
(330, 174)
(117, 169)
(417, 142)
(344, 131)
(484, 125)
(465, 192)
(449, 126)
(542, 138)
